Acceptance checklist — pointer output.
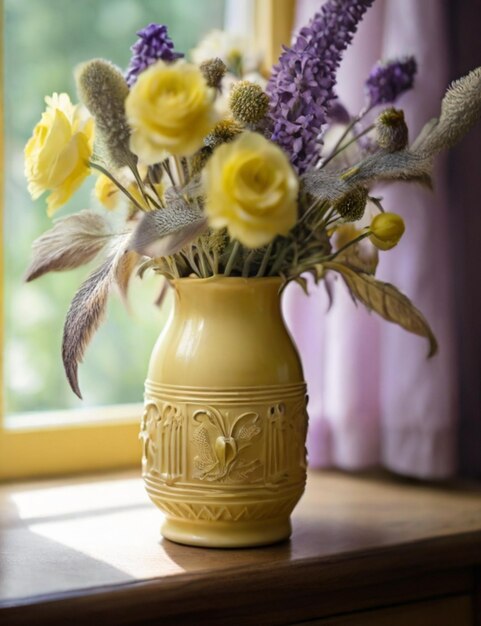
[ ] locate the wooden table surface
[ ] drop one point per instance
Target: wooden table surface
(89, 551)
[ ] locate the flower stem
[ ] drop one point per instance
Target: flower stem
(247, 264)
(265, 260)
(348, 244)
(102, 169)
(336, 149)
(232, 257)
(140, 184)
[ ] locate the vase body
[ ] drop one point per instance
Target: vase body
(225, 419)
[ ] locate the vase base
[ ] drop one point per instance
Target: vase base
(226, 534)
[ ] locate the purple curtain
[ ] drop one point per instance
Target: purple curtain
(374, 397)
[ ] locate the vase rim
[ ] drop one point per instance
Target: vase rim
(220, 278)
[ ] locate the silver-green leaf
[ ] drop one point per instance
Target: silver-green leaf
(73, 241)
(386, 301)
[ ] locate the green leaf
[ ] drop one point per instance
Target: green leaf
(386, 301)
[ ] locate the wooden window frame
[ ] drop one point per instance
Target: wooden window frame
(103, 438)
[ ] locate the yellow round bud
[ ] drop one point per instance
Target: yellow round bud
(386, 230)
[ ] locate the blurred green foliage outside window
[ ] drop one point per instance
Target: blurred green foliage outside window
(43, 42)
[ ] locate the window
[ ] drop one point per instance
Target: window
(46, 429)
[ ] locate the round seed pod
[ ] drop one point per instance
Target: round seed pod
(248, 102)
(351, 205)
(391, 130)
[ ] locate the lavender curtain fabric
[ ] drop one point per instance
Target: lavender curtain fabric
(374, 397)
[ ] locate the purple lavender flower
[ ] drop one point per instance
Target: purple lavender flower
(387, 81)
(337, 112)
(153, 44)
(301, 85)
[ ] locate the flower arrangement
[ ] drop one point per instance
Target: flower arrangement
(251, 189)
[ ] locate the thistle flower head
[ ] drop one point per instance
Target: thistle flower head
(301, 86)
(223, 132)
(391, 130)
(214, 71)
(248, 102)
(103, 90)
(351, 205)
(387, 81)
(153, 44)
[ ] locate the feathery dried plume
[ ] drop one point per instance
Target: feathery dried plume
(402, 165)
(214, 71)
(460, 110)
(73, 241)
(351, 205)
(223, 132)
(248, 102)
(102, 88)
(88, 307)
(391, 130)
(165, 231)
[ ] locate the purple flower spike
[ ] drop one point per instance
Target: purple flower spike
(387, 81)
(153, 44)
(301, 87)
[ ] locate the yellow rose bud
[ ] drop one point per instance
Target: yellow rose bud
(251, 189)
(106, 192)
(386, 230)
(57, 154)
(170, 110)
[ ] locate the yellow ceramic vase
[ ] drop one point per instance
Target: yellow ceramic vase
(225, 418)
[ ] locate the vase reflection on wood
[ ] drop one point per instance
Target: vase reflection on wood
(225, 419)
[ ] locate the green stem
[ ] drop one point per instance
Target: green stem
(179, 170)
(348, 245)
(210, 261)
(166, 166)
(203, 265)
(101, 169)
(152, 183)
(349, 127)
(265, 260)
(280, 259)
(232, 257)
(247, 263)
(377, 202)
(140, 185)
(193, 264)
(356, 138)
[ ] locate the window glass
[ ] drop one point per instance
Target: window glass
(43, 42)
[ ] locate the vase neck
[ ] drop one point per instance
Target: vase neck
(225, 296)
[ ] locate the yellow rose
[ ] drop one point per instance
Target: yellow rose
(386, 230)
(251, 189)
(57, 154)
(106, 192)
(170, 111)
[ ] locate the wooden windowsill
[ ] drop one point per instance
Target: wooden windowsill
(89, 551)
